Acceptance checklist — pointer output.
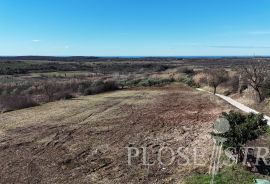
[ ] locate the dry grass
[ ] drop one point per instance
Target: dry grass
(83, 140)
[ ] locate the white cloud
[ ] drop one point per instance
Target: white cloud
(66, 47)
(36, 40)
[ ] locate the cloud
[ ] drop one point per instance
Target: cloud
(36, 40)
(67, 47)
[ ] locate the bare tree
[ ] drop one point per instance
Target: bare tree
(50, 89)
(217, 77)
(256, 75)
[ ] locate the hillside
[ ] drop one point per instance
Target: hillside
(84, 140)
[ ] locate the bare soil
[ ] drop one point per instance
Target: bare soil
(85, 140)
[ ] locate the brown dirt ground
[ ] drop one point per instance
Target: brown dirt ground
(84, 140)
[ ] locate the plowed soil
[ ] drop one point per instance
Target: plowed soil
(85, 140)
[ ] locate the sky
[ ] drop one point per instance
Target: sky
(135, 27)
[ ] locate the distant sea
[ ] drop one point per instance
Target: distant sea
(185, 57)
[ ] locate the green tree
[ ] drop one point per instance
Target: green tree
(243, 128)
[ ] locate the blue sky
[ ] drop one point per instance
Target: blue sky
(135, 27)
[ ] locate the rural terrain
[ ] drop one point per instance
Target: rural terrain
(72, 120)
(84, 140)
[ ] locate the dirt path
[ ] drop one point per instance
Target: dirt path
(85, 140)
(238, 105)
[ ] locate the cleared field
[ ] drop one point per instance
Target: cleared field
(84, 140)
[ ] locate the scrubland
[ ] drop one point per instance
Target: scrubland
(72, 120)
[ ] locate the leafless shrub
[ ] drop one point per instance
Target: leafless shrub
(50, 89)
(186, 70)
(200, 78)
(232, 84)
(100, 86)
(14, 102)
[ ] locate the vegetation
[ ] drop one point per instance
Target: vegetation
(187, 79)
(100, 86)
(14, 102)
(50, 89)
(29, 83)
(46, 79)
(257, 76)
(243, 128)
(217, 77)
(186, 70)
(231, 175)
(23, 67)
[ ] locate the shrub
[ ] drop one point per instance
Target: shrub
(122, 84)
(110, 86)
(100, 86)
(145, 83)
(227, 92)
(200, 78)
(154, 82)
(14, 102)
(186, 70)
(160, 68)
(243, 128)
(83, 86)
(188, 80)
(50, 90)
(133, 83)
(63, 95)
(266, 88)
(234, 83)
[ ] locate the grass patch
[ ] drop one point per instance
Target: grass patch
(232, 175)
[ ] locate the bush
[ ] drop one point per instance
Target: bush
(83, 86)
(227, 93)
(234, 83)
(133, 83)
(147, 82)
(200, 78)
(14, 102)
(266, 88)
(186, 70)
(154, 82)
(63, 95)
(243, 128)
(100, 86)
(188, 80)
(110, 86)
(50, 89)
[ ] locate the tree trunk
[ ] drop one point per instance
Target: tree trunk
(261, 98)
(215, 90)
(238, 152)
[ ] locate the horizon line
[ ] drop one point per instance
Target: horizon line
(100, 56)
